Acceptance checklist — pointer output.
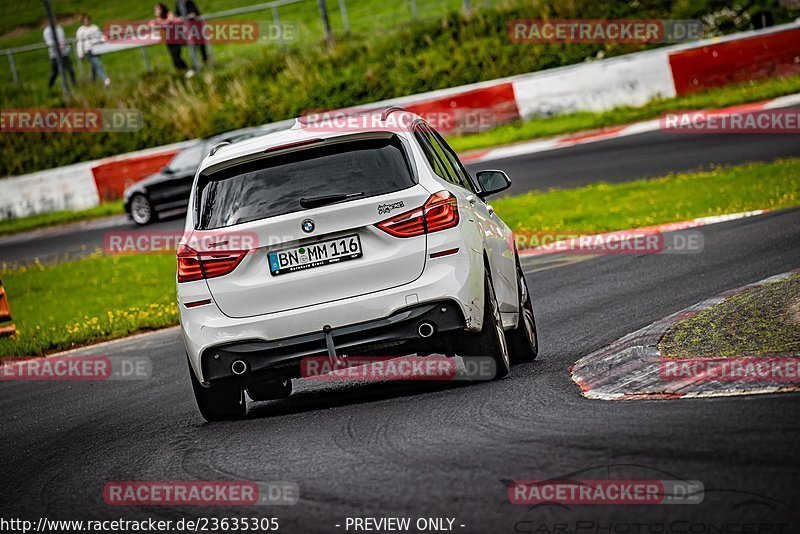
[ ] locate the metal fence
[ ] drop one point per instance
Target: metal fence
(410, 6)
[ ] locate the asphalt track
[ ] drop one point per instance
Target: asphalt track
(427, 450)
(615, 160)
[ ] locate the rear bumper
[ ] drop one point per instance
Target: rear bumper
(396, 334)
(457, 279)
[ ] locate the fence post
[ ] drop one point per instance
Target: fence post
(326, 21)
(59, 58)
(467, 6)
(276, 19)
(146, 56)
(343, 12)
(413, 5)
(78, 63)
(11, 64)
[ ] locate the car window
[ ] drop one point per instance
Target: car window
(189, 158)
(465, 180)
(452, 173)
(274, 186)
(430, 154)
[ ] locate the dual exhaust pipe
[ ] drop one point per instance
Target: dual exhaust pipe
(425, 330)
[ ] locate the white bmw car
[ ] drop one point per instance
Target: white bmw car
(343, 241)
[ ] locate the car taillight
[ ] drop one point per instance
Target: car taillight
(193, 265)
(439, 212)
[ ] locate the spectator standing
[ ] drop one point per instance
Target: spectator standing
(88, 36)
(192, 15)
(58, 50)
(165, 19)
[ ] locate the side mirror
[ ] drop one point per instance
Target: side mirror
(492, 182)
(167, 170)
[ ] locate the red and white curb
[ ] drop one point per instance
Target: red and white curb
(631, 367)
(614, 132)
(613, 241)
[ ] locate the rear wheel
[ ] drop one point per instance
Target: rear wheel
(142, 210)
(270, 390)
(491, 340)
(523, 341)
(219, 402)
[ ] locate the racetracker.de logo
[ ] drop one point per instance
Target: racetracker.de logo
(200, 493)
(70, 120)
(741, 120)
(147, 242)
(602, 31)
(607, 492)
(385, 368)
(445, 120)
(744, 369)
(623, 242)
(76, 368)
(182, 33)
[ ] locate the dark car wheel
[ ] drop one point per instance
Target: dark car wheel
(142, 210)
(219, 402)
(491, 340)
(523, 341)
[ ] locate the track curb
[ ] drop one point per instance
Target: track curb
(630, 368)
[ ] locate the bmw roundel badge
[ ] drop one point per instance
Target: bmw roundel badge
(308, 226)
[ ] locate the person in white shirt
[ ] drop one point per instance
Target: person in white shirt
(87, 37)
(58, 50)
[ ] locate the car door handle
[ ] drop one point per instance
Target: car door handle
(471, 199)
(490, 209)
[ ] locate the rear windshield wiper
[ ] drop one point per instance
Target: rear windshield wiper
(315, 202)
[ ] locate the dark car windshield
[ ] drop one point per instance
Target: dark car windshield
(189, 158)
(274, 185)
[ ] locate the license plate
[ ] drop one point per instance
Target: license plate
(315, 255)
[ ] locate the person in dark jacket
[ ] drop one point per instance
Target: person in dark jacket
(165, 18)
(192, 15)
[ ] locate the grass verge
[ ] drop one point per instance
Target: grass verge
(742, 93)
(102, 297)
(764, 321)
(24, 224)
(603, 207)
(58, 307)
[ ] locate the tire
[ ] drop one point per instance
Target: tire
(270, 390)
(523, 342)
(142, 211)
(219, 402)
(491, 340)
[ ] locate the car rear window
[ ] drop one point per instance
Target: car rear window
(274, 186)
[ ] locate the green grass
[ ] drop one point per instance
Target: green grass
(25, 24)
(741, 93)
(764, 321)
(604, 207)
(23, 224)
(62, 306)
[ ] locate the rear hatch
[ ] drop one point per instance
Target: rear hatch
(310, 213)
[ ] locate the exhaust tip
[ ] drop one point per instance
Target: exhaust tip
(426, 329)
(239, 367)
